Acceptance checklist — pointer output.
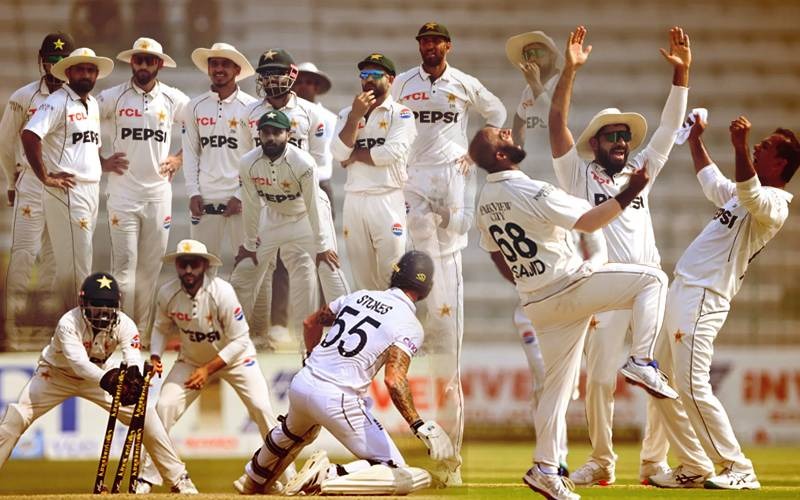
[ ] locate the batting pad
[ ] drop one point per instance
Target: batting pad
(378, 480)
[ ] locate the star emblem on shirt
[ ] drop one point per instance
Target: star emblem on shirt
(383, 124)
(451, 98)
(58, 44)
(114, 220)
(593, 323)
(270, 54)
(345, 232)
(45, 375)
(293, 123)
(286, 184)
(233, 122)
(162, 116)
(679, 336)
(83, 223)
(104, 282)
(444, 310)
(26, 211)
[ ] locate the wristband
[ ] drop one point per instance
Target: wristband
(416, 424)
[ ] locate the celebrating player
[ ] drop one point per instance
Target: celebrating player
(528, 222)
(440, 195)
(140, 114)
(75, 364)
(204, 311)
(596, 168)
(750, 212)
(368, 329)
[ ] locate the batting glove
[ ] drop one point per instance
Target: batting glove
(435, 438)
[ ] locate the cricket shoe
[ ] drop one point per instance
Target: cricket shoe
(184, 486)
(308, 480)
(647, 469)
(649, 377)
(142, 487)
(246, 486)
(551, 486)
(679, 477)
(731, 480)
(591, 473)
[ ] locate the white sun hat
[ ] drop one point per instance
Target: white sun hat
(80, 56)
(193, 247)
(224, 50)
(610, 116)
(146, 45)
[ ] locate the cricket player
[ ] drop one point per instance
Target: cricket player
(281, 190)
(216, 135)
(597, 167)
(369, 329)
(527, 224)
(749, 213)
(62, 146)
(440, 196)
(74, 363)
(29, 237)
(139, 115)
(204, 311)
(372, 141)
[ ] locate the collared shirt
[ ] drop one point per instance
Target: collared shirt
(289, 186)
(630, 236)
(77, 352)
(21, 106)
(387, 132)
(70, 134)
(529, 222)
(140, 125)
(216, 135)
(440, 110)
(748, 216)
(210, 324)
(368, 323)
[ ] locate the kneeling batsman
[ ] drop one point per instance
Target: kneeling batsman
(369, 329)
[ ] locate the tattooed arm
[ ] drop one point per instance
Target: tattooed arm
(396, 380)
(312, 326)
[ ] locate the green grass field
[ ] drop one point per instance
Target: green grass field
(491, 470)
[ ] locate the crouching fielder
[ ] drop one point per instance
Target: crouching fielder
(368, 329)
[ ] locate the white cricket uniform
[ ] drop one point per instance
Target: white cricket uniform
(374, 206)
(529, 222)
(329, 120)
(70, 134)
(216, 134)
(534, 113)
(139, 201)
(707, 277)
(72, 365)
(29, 232)
(630, 240)
(295, 218)
(210, 324)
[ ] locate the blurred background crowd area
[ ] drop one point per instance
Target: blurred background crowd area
(745, 62)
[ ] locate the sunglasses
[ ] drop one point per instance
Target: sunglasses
(148, 60)
(52, 59)
(625, 135)
(374, 74)
(193, 262)
(535, 53)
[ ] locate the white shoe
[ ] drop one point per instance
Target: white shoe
(732, 480)
(592, 473)
(551, 486)
(647, 469)
(308, 480)
(184, 486)
(679, 477)
(246, 486)
(453, 478)
(649, 377)
(142, 487)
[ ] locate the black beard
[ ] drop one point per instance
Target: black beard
(515, 153)
(273, 151)
(147, 79)
(603, 158)
(82, 86)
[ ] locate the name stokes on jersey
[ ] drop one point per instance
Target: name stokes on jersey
(374, 305)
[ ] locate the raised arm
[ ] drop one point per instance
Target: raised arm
(561, 140)
(700, 156)
(602, 214)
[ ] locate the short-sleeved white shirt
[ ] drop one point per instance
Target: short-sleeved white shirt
(367, 324)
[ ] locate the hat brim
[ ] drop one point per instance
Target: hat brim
(516, 43)
(213, 260)
(126, 55)
(104, 66)
(200, 59)
(635, 122)
(325, 82)
(432, 33)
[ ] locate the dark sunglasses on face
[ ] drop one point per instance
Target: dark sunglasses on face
(144, 59)
(193, 262)
(52, 59)
(374, 74)
(535, 53)
(625, 135)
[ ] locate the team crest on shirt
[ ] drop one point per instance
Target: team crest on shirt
(167, 222)
(238, 314)
(406, 113)
(397, 229)
(320, 130)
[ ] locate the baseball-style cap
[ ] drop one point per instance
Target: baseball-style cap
(274, 59)
(57, 44)
(275, 118)
(380, 60)
(433, 29)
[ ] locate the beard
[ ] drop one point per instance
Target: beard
(611, 164)
(144, 77)
(515, 153)
(272, 150)
(83, 86)
(377, 90)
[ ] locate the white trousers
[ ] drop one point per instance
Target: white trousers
(211, 229)
(71, 217)
(561, 320)
(49, 387)
(693, 319)
(139, 237)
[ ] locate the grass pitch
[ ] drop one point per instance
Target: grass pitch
(491, 470)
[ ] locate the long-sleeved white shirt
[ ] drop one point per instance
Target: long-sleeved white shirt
(440, 111)
(289, 186)
(748, 216)
(215, 135)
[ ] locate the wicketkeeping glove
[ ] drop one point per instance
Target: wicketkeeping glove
(131, 389)
(435, 438)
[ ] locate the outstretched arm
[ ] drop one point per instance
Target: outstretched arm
(700, 156)
(561, 140)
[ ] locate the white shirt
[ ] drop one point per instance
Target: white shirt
(440, 110)
(329, 119)
(289, 186)
(368, 323)
(21, 106)
(747, 217)
(77, 352)
(534, 113)
(630, 236)
(388, 133)
(216, 134)
(140, 125)
(529, 222)
(70, 134)
(210, 324)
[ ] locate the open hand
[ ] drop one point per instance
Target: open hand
(576, 54)
(680, 54)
